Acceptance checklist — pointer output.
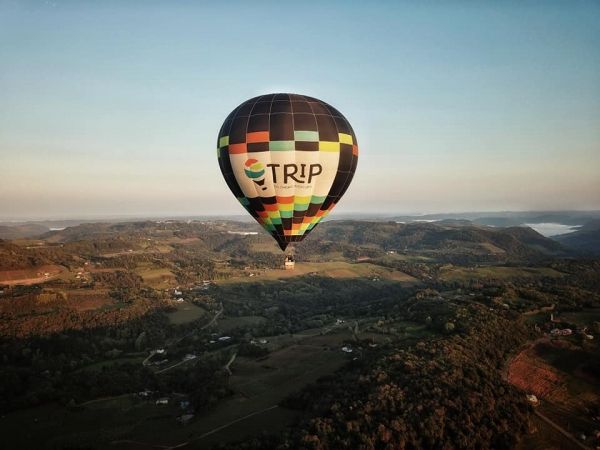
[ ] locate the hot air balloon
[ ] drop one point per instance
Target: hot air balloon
(288, 159)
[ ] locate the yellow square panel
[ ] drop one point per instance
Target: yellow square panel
(302, 200)
(345, 138)
(326, 146)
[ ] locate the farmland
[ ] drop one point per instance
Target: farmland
(148, 334)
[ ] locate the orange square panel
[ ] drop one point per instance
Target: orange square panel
(257, 136)
(237, 148)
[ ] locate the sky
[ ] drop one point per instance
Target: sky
(113, 108)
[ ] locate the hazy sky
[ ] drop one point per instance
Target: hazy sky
(114, 107)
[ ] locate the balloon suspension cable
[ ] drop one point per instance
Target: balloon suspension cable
(290, 251)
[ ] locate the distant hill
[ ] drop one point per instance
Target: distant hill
(510, 218)
(451, 240)
(444, 238)
(22, 231)
(586, 240)
(15, 257)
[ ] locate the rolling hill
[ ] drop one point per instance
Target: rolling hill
(586, 240)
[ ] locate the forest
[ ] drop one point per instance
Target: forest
(385, 336)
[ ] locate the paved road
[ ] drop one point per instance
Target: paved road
(202, 436)
(562, 431)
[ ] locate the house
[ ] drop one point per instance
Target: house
(559, 332)
(339, 321)
(180, 300)
(532, 399)
(162, 401)
(177, 292)
(189, 357)
(263, 341)
(159, 351)
(224, 338)
(347, 349)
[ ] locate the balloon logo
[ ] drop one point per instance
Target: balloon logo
(256, 171)
(288, 159)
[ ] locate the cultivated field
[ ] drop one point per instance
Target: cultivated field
(458, 273)
(334, 269)
(185, 312)
(158, 278)
(34, 275)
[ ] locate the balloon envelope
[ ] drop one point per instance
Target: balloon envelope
(288, 159)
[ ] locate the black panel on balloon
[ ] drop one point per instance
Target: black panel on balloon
(258, 122)
(320, 108)
(281, 106)
(345, 163)
(305, 122)
(245, 109)
(257, 147)
(301, 107)
(256, 204)
(342, 125)
(327, 129)
(225, 163)
(237, 135)
(307, 146)
(282, 127)
(262, 108)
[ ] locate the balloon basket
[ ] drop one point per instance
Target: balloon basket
(289, 262)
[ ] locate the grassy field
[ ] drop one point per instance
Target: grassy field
(88, 299)
(158, 278)
(258, 386)
(229, 323)
(110, 362)
(185, 312)
(456, 273)
(334, 269)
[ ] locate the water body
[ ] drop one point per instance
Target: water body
(552, 229)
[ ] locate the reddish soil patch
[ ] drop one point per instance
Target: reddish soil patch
(33, 275)
(532, 375)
